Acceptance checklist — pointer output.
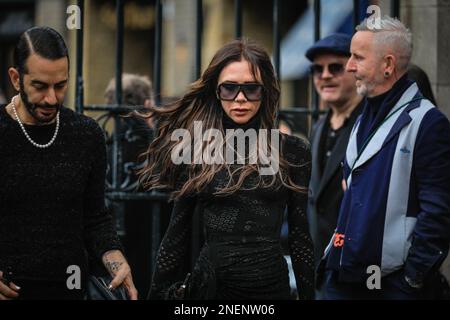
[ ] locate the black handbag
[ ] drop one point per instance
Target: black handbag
(97, 289)
(178, 290)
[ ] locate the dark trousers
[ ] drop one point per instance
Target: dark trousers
(393, 287)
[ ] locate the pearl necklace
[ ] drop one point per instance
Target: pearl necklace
(42, 146)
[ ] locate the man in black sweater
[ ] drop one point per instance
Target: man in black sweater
(52, 180)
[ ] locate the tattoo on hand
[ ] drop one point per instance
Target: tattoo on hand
(113, 266)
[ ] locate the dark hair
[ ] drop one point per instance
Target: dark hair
(423, 82)
(43, 41)
(200, 103)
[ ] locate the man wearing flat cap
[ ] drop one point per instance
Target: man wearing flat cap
(330, 136)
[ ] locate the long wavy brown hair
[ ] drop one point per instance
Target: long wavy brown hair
(200, 103)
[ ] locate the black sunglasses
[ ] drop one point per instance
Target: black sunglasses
(333, 68)
(229, 91)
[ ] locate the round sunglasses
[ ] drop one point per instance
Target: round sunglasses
(333, 68)
(229, 91)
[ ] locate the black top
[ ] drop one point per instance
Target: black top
(242, 256)
(326, 178)
(330, 136)
(52, 200)
(328, 140)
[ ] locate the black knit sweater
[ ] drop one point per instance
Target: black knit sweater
(52, 200)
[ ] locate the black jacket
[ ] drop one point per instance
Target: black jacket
(325, 189)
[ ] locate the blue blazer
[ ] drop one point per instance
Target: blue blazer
(396, 211)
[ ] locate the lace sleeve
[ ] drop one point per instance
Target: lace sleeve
(300, 243)
(173, 249)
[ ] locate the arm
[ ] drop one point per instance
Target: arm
(431, 172)
(300, 243)
(100, 234)
(174, 246)
(99, 231)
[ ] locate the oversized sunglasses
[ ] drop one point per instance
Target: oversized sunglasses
(229, 91)
(333, 68)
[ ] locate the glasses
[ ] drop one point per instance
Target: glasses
(333, 68)
(229, 91)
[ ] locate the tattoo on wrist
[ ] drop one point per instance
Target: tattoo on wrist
(113, 266)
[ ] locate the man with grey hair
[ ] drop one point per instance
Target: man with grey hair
(393, 229)
(137, 90)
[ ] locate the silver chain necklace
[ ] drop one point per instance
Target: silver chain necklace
(42, 146)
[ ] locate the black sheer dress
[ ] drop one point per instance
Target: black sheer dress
(242, 257)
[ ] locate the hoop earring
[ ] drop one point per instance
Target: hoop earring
(387, 74)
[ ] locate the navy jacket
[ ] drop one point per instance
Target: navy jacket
(382, 222)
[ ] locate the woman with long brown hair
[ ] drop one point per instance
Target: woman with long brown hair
(241, 192)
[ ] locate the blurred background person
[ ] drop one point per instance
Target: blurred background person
(137, 90)
(337, 91)
(418, 75)
(134, 216)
